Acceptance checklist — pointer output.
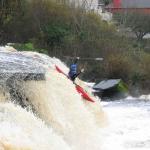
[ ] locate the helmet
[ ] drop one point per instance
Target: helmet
(76, 60)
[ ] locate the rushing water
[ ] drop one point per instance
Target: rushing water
(128, 125)
(55, 116)
(50, 115)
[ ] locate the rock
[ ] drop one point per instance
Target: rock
(111, 89)
(19, 66)
(16, 68)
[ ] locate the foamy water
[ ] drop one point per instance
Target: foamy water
(128, 127)
(59, 104)
(61, 118)
(20, 129)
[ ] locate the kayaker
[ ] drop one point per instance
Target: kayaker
(73, 70)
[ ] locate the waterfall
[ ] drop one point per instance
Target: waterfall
(49, 113)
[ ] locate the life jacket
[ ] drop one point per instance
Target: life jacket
(73, 70)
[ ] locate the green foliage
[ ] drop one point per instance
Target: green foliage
(54, 34)
(122, 87)
(28, 47)
(24, 47)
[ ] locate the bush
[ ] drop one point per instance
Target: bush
(119, 66)
(24, 47)
(28, 47)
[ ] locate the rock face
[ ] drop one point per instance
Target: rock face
(18, 65)
(107, 84)
(15, 68)
(111, 89)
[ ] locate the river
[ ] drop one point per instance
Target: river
(45, 113)
(49, 113)
(128, 124)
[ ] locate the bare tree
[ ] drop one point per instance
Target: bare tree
(139, 23)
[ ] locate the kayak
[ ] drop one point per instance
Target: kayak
(79, 89)
(83, 93)
(60, 71)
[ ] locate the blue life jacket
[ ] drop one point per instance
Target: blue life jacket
(73, 70)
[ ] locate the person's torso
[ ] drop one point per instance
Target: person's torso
(73, 70)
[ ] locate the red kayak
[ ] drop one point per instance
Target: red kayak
(83, 93)
(78, 88)
(59, 70)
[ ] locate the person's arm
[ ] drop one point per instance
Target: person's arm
(82, 70)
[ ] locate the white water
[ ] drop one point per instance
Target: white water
(21, 130)
(129, 125)
(62, 119)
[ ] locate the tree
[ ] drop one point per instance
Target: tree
(139, 23)
(54, 35)
(8, 11)
(7, 8)
(106, 2)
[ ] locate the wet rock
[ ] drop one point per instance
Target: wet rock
(16, 68)
(19, 66)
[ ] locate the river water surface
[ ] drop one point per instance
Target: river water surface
(128, 125)
(56, 117)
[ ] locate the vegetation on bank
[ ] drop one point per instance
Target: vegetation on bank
(62, 30)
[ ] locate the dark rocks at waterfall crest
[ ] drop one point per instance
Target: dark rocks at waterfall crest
(16, 68)
(18, 65)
